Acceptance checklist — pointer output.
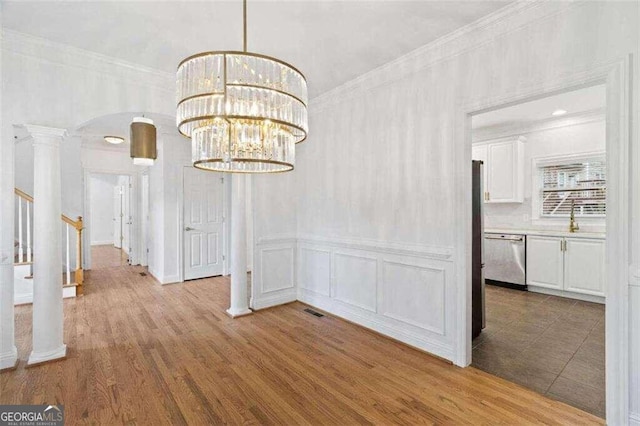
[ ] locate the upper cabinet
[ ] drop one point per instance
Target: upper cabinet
(503, 169)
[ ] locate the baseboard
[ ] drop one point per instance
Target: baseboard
(568, 294)
(170, 279)
(24, 299)
(9, 360)
(102, 243)
(419, 341)
(280, 299)
(155, 275)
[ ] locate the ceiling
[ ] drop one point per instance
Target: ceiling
(574, 103)
(331, 42)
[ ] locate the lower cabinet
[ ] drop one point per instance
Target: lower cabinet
(566, 264)
(545, 263)
(584, 266)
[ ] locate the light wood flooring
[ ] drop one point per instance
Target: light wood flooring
(141, 353)
(108, 256)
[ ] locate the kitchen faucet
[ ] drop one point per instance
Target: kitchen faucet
(573, 226)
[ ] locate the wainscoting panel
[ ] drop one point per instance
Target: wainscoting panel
(356, 280)
(273, 279)
(404, 292)
(315, 270)
(414, 294)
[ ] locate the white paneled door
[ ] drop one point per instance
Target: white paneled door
(203, 224)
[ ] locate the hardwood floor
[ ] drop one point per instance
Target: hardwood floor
(108, 256)
(141, 353)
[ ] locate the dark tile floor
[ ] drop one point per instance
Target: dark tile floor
(550, 344)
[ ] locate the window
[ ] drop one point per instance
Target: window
(581, 183)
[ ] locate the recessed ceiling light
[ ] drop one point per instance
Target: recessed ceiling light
(114, 139)
(558, 112)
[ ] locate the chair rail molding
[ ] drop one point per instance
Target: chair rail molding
(399, 248)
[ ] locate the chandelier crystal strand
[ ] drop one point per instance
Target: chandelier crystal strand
(243, 111)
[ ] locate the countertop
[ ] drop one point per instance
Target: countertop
(548, 233)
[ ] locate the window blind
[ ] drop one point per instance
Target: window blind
(583, 183)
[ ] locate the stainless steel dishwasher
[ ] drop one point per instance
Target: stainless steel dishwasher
(505, 259)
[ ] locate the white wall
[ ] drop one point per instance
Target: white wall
(101, 204)
(273, 279)
(165, 189)
(376, 181)
(156, 216)
(586, 137)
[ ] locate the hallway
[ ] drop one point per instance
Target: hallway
(142, 353)
(107, 256)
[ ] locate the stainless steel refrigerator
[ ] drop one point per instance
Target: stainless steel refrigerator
(477, 253)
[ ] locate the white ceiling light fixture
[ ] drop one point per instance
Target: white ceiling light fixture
(115, 140)
(244, 112)
(558, 112)
(143, 141)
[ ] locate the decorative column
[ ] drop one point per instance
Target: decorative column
(48, 315)
(239, 295)
(8, 352)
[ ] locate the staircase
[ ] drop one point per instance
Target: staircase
(72, 278)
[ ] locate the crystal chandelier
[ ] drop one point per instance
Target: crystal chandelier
(244, 112)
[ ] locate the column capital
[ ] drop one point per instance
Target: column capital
(45, 134)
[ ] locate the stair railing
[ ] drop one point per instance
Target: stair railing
(25, 237)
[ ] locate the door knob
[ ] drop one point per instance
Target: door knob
(188, 228)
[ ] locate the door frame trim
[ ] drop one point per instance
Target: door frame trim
(616, 76)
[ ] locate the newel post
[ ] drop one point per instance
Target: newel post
(79, 275)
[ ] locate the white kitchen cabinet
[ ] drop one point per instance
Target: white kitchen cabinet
(545, 262)
(567, 265)
(584, 270)
(503, 169)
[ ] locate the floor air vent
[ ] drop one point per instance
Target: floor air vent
(312, 312)
(143, 274)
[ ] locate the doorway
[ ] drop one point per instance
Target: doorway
(109, 219)
(545, 205)
(203, 234)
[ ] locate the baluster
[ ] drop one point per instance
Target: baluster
(29, 253)
(20, 247)
(68, 260)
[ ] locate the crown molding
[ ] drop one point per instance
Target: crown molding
(48, 51)
(488, 133)
(467, 38)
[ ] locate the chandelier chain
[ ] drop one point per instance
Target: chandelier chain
(244, 24)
